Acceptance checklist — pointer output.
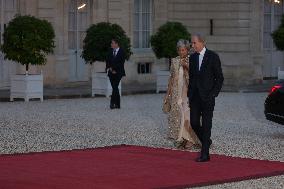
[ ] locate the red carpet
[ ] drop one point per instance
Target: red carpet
(126, 167)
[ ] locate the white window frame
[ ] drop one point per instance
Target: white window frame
(143, 72)
(6, 68)
(77, 30)
(140, 30)
(4, 13)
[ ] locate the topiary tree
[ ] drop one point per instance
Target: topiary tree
(278, 36)
(164, 41)
(98, 39)
(28, 40)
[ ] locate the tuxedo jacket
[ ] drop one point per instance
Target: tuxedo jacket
(116, 63)
(209, 79)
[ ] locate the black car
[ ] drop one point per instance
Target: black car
(274, 103)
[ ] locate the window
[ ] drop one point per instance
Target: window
(8, 10)
(142, 23)
(272, 19)
(144, 68)
(78, 23)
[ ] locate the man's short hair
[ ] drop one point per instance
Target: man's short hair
(115, 40)
(200, 37)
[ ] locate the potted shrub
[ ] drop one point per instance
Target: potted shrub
(278, 38)
(95, 48)
(163, 43)
(27, 40)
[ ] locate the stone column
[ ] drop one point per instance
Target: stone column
(31, 7)
(161, 13)
(28, 7)
(61, 30)
(101, 12)
(256, 39)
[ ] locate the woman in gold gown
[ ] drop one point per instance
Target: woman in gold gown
(178, 116)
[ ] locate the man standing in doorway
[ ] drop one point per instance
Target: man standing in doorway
(205, 82)
(115, 70)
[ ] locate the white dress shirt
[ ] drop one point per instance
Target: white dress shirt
(201, 55)
(115, 51)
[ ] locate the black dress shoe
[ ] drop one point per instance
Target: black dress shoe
(112, 106)
(203, 159)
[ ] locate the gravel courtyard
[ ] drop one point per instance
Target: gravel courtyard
(239, 128)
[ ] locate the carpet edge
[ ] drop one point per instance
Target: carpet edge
(70, 150)
(232, 180)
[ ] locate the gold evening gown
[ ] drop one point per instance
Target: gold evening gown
(179, 114)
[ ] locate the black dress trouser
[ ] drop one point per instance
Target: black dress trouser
(202, 109)
(115, 96)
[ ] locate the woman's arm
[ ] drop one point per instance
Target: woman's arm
(170, 82)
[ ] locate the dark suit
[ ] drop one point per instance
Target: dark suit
(115, 63)
(204, 85)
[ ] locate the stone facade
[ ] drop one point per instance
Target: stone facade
(236, 34)
(233, 28)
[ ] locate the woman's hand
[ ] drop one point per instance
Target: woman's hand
(184, 64)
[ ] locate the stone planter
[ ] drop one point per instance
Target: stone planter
(101, 84)
(26, 87)
(162, 78)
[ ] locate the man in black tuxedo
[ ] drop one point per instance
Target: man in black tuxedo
(205, 82)
(115, 70)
